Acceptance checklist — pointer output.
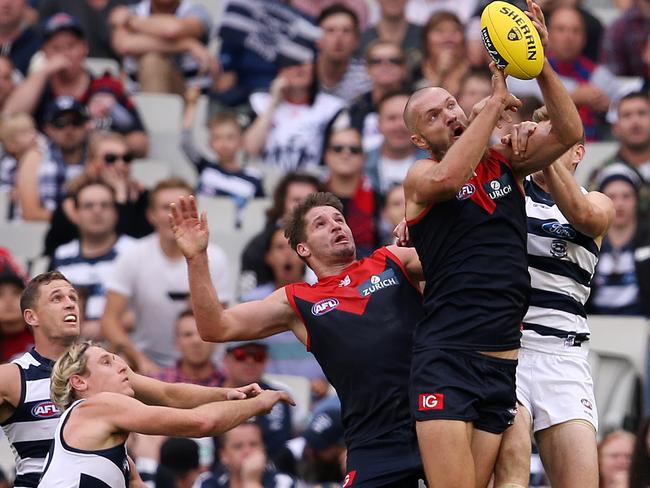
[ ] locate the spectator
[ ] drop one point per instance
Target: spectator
(18, 135)
(445, 58)
(7, 79)
(343, 155)
(87, 261)
(474, 87)
(316, 455)
(623, 271)
(640, 467)
(624, 40)
(108, 161)
(287, 354)
(387, 70)
(244, 363)
(223, 174)
(339, 73)
(393, 28)
(64, 73)
(15, 338)
(180, 458)
(43, 171)
(291, 119)
(244, 463)
(164, 45)
(392, 213)
(586, 82)
(388, 164)
(290, 191)
(195, 364)
(151, 278)
(313, 8)
(614, 456)
(93, 18)
(632, 131)
(594, 29)
(418, 11)
(19, 39)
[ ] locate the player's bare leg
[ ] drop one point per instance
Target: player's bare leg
(446, 453)
(513, 464)
(570, 455)
(485, 449)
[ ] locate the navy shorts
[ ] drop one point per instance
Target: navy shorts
(450, 384)
(395, 464)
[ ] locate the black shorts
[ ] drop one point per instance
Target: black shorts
(396, 466)
(450, 384)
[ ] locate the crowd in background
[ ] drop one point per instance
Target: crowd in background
(316, 90)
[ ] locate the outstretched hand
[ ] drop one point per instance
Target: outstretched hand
(500, 90)
(243, 392)
(190, 230)
(537, 17)
(519, 135)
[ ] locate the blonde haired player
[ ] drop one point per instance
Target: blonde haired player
(566, 225)
(92, 388)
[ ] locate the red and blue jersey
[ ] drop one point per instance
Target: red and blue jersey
(473, 252)
(360, 327)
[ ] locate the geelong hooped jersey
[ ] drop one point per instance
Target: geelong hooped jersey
(30, 429)
(69, 467)
(561, 262)
(360, 325)
(473, 251)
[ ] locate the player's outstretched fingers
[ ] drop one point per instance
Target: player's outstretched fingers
(173, 216)
(203, 221)
(192, 205)
(185, 212)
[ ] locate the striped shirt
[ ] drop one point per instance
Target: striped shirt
(561, 263)
(70, 467)
(31, 428)
(89, 273)
(355, 82)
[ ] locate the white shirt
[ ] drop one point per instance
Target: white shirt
(393, 171)
(158, 290)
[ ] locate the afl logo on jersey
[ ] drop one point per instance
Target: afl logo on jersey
(45, 410)
(565, 231)
(466, 191)
(324, 306)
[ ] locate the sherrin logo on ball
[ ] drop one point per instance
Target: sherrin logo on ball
(512, 40)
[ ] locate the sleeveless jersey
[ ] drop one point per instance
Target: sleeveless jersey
(360, 325)
(30, 429)
(473, 252)
(69, 467)
(561, 262)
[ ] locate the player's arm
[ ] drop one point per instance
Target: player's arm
(590, 213)
(428, 182)
(184, 395)
(411, 261)
(9, 390)
(566, 129)
(121, 413)
(250, 320)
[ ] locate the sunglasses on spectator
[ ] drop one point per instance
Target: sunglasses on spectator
(258, 354)
(377, 61)
(339, 148)
(111, 158)
(62, 122)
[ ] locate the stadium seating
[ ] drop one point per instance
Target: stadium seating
(4, 205)
(254, 215)
(149, 171)
(596, 153)
(222, 213)
(24, 239)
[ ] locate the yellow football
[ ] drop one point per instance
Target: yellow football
(512, 40)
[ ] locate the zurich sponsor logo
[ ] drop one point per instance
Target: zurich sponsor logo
(565, 231)
(466, 191)
(45, 410)
(378, 282)
(324, 306)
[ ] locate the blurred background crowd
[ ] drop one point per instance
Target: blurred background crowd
(112, 109)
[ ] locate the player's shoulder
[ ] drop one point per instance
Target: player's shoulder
(10, 385)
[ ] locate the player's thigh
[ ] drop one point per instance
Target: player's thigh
(513, 462)
(569, 454)
(485, 449)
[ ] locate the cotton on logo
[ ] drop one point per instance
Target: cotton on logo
(431, 401)
(349, 479)
(45, 409)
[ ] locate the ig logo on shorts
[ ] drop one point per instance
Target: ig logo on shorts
(349, 478)
(431, 401)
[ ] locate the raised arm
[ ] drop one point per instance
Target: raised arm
(544, 147)
(255, 135)
(249, 320)
(122, 413)
(9, 390)
(184, 395)
(590, 213)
